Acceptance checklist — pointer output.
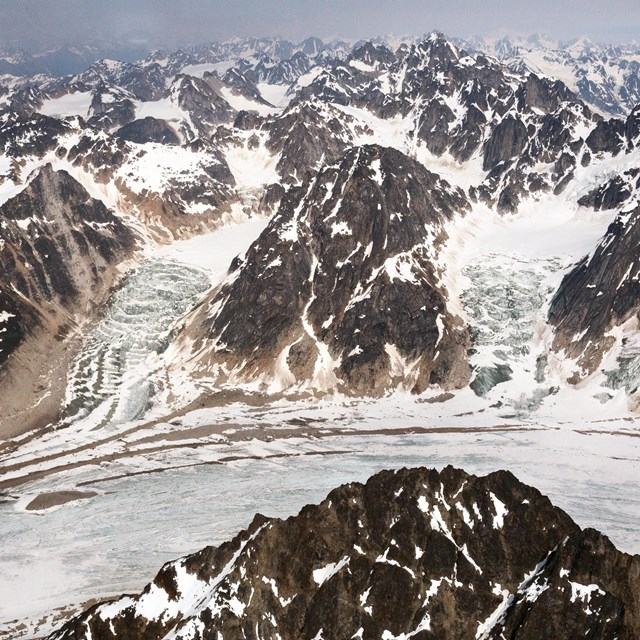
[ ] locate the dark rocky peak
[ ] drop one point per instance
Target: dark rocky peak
(172, 62)
(145, 82)
(111, 107)
(307, 135)
(276, 48)
(27, 100)
(505, 49)
(520, 142)
(206, 107)
(59, 249)
(97, 152)
(339, 83)
(632, 128)
(55, 243)
(312, 47)
(32, 136)
(544, 94)
(507, 141)
(343, 285)
(246, 65)
(58, 87)
(103, 71)
(284, 72)
(436, 52)
(49, 189)
(241, 85)
(411, 553)
(424, 79)
(615, 193)
(376, 56)
(607, 137)
(149, 129)
(603, 290)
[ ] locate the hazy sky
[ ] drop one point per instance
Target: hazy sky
(35, 23)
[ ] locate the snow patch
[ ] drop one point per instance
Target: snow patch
(320, 576)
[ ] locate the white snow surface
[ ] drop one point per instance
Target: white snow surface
(323, 574)
(242, 103)
(215, 251)
(163, 109)
(70, 104)
(276, 94)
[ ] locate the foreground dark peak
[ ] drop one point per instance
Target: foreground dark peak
(410, 554)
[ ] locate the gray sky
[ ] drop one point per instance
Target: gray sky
(32, 24)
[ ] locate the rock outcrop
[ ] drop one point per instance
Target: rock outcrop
(415, 553)
(149, 129)
(600, 293)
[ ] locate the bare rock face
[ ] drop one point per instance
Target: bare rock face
(283, 71)
(145, 82)
(206, 108)
(58, 250)
(410, 554)
(342, 288)
(111, 107)
(307, 136)
(601, 292)
(149, 129)
(507, 141)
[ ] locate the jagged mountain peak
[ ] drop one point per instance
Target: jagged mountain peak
(373, 55)
(436, 52)
(412, 553)
(343, 285)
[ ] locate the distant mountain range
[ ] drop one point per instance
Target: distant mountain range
(605, 76)
(62, 61)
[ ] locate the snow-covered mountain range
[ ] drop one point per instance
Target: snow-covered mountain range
(604, 76)
(259, 251)
(442, 218)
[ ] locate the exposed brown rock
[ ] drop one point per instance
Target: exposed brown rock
(349, 262)
(413, 553)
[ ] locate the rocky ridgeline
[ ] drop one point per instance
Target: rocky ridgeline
(58, 250)
(410, 554)
(603, 290)
(607, 77)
